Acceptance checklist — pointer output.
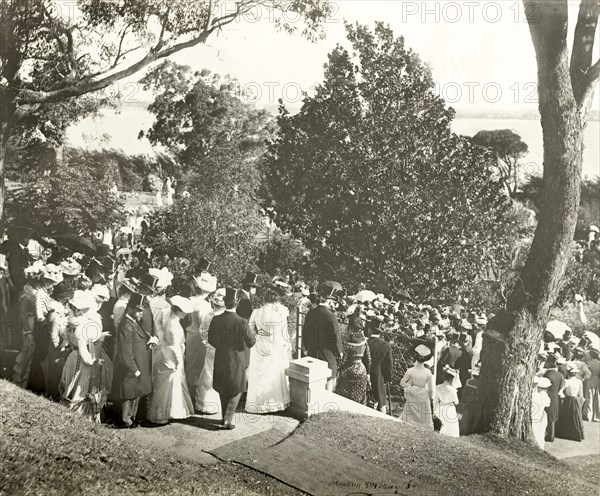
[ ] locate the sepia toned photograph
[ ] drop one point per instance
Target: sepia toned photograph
(300, 247)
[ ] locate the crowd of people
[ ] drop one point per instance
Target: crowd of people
(100, 335)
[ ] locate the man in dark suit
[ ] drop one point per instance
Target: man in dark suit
(18, 255)
(557, 380)
(249, 285)
(382, 364)
(231, 336)
(463, 363)
(321, 336)
(132, 378)
(449, 357)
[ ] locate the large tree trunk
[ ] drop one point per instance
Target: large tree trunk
(513, 338)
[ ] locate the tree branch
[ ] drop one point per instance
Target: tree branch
(583, 43)
(587, 88)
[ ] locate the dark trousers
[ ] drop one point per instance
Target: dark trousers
(228, 407)
(550, 432)
(129, 410)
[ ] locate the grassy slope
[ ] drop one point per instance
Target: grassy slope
(46, 449)
(466, 465)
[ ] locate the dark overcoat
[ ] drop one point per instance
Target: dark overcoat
(382, 365)
(556, 379)
(231, 337)
(132, 354)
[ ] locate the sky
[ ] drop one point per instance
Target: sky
(480, 53)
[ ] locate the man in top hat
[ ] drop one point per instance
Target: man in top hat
(19, 258)
(231, 337)
(132, 378)
(202, 267)
(557, 382)
(382, 364)
(321, 334)
(249, 285)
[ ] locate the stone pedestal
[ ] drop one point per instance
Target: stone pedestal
(308, 377)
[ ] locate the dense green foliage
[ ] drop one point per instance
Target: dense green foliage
(68, 196)
(369, 175)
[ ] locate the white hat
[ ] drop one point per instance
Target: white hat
(542, 382)
(423, 350)
(164, 276)
(594, 229)
(218, 297)
(184, 304)
(70, 267)
(82, 300)
(206, 282)
(52, 273)
(100, 290)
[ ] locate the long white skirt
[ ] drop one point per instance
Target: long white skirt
(207, 399)
(446, 412)
(170, 396)
(268, 387)
(417, 409)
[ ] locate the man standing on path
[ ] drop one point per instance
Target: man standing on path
(249, 285)
(557, 380)
(231, 337)
(382, 365)
(321, 334)
(132, 377)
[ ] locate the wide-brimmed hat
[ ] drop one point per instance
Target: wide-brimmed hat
(148, 285)
(184, 304)
(70, 267)
(449, 370)
(594, 229)
(52, 273)
(82, 299)
(279, 287)
(100, 290)
(206, 282)
(164, 276)
(35, 270)
(542, 382)
(250, 279)
(424, 352)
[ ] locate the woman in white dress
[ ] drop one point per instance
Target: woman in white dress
(446, 399)
(418, 384)
(88, 371)
(208, 401)
(170, 396)
(539, 402)
(268, 388)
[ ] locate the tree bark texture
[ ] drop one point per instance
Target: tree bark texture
(513, 338)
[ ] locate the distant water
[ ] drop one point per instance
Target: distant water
(120, 130)
(530, 131)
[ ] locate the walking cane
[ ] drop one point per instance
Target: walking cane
(389, 398)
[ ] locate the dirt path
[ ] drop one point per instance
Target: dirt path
(194, 438)
(590, 446)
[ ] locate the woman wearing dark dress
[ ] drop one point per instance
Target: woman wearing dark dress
(570, 423)
(354, 371)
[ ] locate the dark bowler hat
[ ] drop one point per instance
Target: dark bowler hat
(19, 232)
(203, 265)
(251, 279)
(136, 300)
(102, 250)
(551, 361)
(585, 342)
(329, 290)
(231, 294)
(148, 284)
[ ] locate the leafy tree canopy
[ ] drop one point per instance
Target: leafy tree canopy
(370, 177)
(506, 149)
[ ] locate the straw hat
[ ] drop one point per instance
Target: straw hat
(542, 382)
(184, 304)
(82, 300)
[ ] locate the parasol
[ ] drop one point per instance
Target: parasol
(76, 243)
(364, 295)
(594, 339)
(557, 328)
